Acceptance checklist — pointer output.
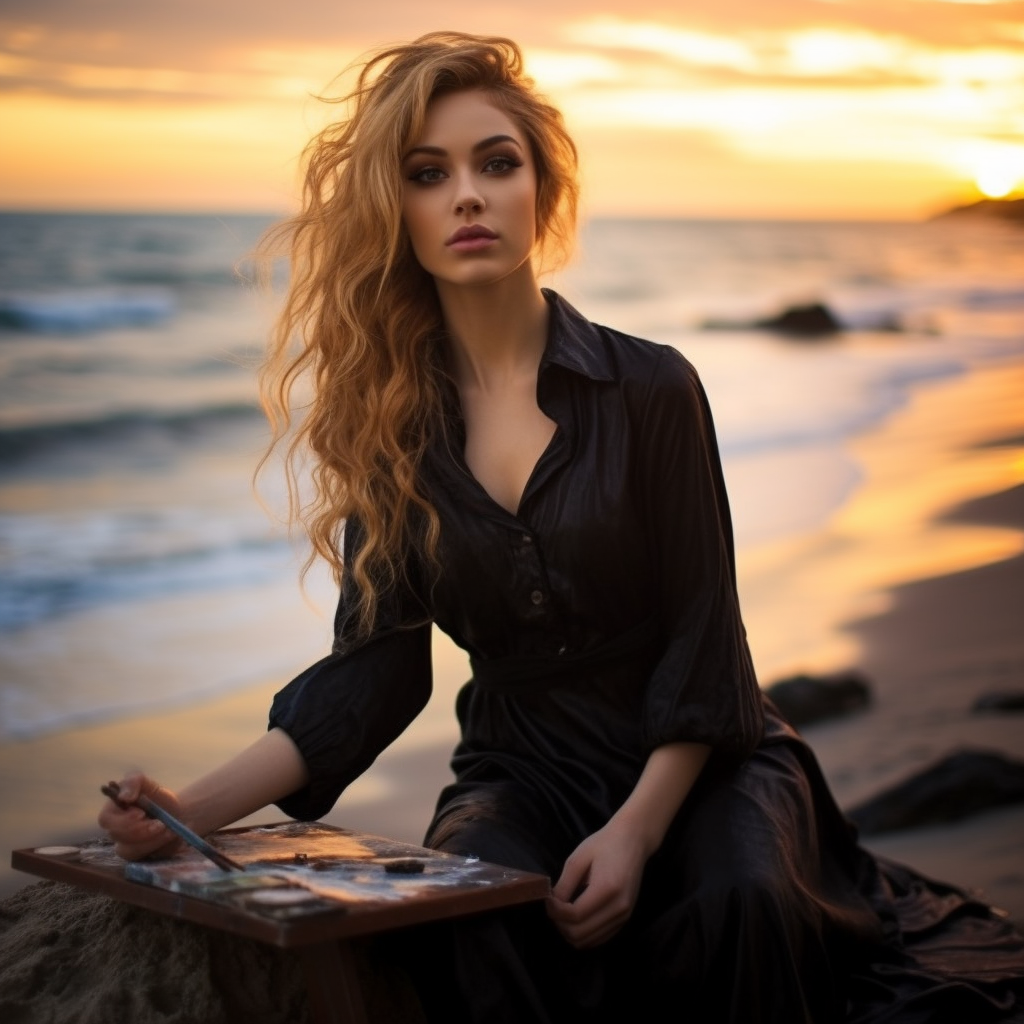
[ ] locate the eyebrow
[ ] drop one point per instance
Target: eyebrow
(491, 140)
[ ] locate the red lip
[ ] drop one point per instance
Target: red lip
(469, 233)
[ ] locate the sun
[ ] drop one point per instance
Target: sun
(994, 185)
(997, 178)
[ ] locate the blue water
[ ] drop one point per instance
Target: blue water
(129, 531)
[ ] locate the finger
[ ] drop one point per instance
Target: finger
(162, 845)
(114, 817)
(147, 833)
(136, 830)
(593, 905)
(571, 882)
(137, 840)
(596, 915)
(594, 931)
(561, 911)
(570, 921)
(133, 785)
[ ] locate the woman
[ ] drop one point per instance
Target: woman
(549, 492)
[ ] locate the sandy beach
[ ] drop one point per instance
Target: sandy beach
(918, 583)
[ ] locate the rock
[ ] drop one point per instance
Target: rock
(809, 321)
(1011, 209)
(955, 787)
(1012, 700)
(803, 699)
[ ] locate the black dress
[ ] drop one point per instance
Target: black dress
(602, 621)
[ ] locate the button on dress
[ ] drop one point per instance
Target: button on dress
(601, 621)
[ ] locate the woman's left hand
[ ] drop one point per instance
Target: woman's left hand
(598, 887)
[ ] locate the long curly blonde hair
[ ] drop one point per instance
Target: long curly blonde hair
(360, 326)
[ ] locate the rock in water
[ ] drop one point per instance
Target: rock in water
(1012, 700)
(803, 699)
(957, 786)
(810, 321)
(806, 321)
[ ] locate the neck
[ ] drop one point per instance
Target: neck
(497, 332)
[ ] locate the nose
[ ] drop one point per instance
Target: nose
(469, 204)
(468, 198)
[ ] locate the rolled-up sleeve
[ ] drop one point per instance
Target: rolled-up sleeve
(348, 707)
(703, 688)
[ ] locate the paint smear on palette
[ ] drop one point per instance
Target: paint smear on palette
(272, 842)
(336, 878)
(301, 868)
(286, 897)
(372, 881)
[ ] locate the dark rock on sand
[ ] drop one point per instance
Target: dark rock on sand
(803, 699)
(1012, 700)
(958, 786)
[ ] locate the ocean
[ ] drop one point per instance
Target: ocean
(138, 567)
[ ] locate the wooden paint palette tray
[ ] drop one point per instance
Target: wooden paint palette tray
(306, 885)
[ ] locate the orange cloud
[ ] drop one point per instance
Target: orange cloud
(888, 104)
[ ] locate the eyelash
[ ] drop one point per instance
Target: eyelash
(510, 163)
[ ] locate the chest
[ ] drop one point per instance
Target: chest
(506, 434)
(573, 559)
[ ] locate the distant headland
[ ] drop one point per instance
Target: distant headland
(1003, 209)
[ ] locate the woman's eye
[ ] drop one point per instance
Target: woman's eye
(427, 175)
(501, 164)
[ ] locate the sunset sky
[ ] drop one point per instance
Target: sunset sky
(806, 108)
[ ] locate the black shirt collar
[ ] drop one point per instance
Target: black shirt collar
(574, 343)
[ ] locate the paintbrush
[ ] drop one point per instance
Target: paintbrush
(181, 830)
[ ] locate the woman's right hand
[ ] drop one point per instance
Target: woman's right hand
(136, 836)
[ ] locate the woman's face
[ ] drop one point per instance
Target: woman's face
(470, 192)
